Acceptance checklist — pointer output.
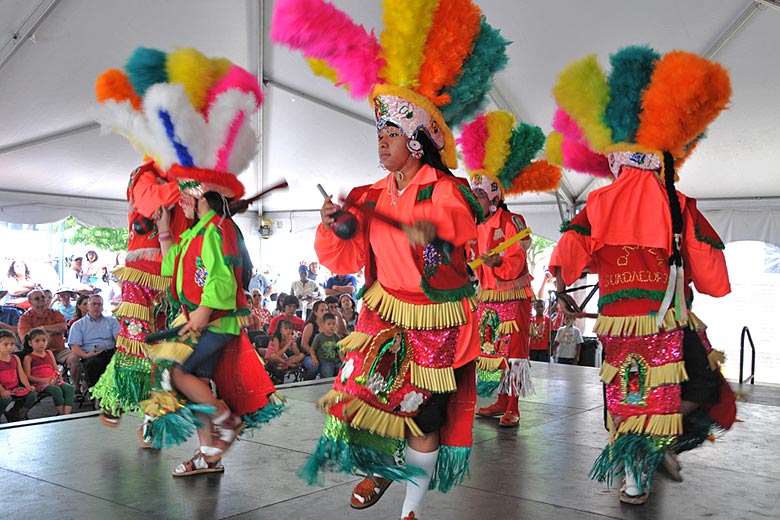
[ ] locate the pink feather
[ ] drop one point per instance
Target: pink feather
(565, 125)
(236, 78)
(223, 155)
(472, 142)
(579, 158)
(321, 31)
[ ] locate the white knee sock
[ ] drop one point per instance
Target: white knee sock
(415, 491)
(632, 485)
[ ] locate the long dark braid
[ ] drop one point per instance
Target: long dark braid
(674, 209)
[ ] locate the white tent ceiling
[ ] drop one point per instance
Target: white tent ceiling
(53, 160)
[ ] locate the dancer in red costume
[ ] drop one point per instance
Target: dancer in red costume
(408, 383)
(647, 242)
(195, 123)
(499, 156)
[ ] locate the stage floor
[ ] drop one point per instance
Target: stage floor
(76, 468)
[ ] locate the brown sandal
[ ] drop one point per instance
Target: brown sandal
(368, 492)
(196, 465)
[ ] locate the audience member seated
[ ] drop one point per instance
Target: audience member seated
(91, 271)
(306, 290)
(82, 304)
(313, 324)
(348, 311)
(289, 306)
(64, 302)
(279, 310)
(18, 283)
(9, 315)
(40, 316)
(326, 347)
(333, 308)
(341, 284)
(93, 339)
(14, 386)
(41, 370)
(261, 318)
(282, 352)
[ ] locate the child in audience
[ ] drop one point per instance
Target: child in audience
(11, 375)
(282, 352)
(326, 347)
(40, 367)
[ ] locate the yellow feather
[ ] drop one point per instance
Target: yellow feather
(552, 148)
(321, 68)
(497, 146)
(221, 67)
(407, 23)
(193, 70)
(582, 91)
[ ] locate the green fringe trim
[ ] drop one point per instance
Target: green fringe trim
(172, 429)
(476, 207)
(105, 390)
(359, 294)
(488, 381)
(566, 225)
(630, 294)
(262, 416)
(697, 427)
(125, 383)
(638, 452)
(351, 457)
(425, 194)
(452, 468)
(447, 295)
(717, 244)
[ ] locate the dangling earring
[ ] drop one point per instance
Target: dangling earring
(492, 208)
(415, 148)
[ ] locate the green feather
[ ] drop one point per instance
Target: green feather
(525, 143)
(467, 96)
(452, 467)
(632, 68)
(145, 67)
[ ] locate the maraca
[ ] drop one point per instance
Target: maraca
(345, 225)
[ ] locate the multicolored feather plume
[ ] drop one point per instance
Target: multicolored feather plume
(496, 146)
(649, 103)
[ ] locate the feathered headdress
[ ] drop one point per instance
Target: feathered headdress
(430, 70)
(190, 113)
(499, 156)
(648, 107)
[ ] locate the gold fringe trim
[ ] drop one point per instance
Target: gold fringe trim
(507, 327)
(414, 316)
(155, 281)
(133, 346)
(695, 323)
(716, 359)
(365, 417)
(670, 373)
(331, 398)
(608, 372)
(634, 325)
(661, 425)
(490, 364)
(171, 350)
(611, 428)
(160, 403)
(355, 341)
(492, 295)
(134, 310)
(439, 380)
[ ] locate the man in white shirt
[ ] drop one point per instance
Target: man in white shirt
(305, 290)
(567, 345)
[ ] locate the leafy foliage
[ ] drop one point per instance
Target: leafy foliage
(106, 239)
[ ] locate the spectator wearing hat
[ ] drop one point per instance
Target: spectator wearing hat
(306, 290)
(64, 302)
(290, 306)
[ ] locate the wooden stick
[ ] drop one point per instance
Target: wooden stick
(240, 206)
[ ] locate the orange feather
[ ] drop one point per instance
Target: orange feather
(114, 84)
(538, 176)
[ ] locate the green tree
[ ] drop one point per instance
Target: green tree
(107, 239)
(540, 246)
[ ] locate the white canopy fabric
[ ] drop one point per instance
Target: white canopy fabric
(54, 162)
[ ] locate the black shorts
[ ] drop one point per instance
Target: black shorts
(433, 414)
(703, 385)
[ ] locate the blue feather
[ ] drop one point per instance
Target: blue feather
(185, 159)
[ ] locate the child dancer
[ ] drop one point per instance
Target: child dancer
(40, 367)
(11, 374)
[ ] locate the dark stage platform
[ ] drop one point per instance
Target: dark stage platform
(76, 468)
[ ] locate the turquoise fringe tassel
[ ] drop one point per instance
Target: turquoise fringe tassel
(452, 468)
(635, 451)
(172, 429)
(266, 414)
(486, 388)
(338, 456)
